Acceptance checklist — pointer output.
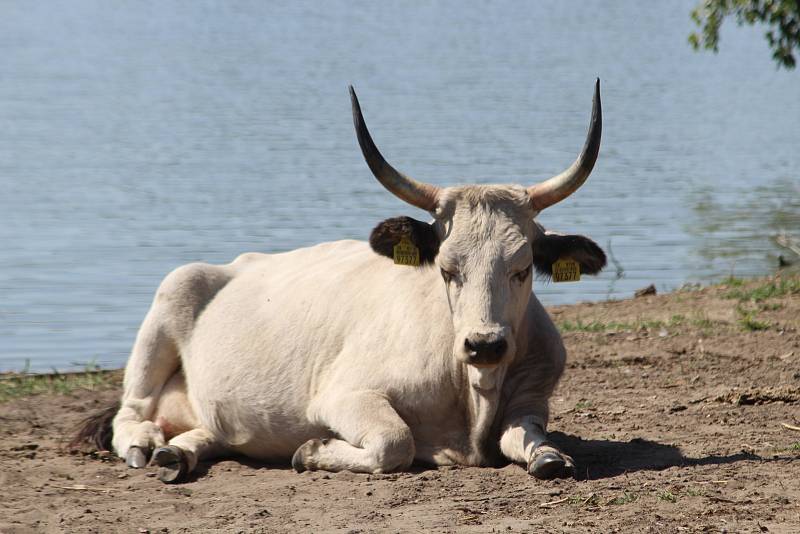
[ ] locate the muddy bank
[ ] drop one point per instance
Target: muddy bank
(674, 407)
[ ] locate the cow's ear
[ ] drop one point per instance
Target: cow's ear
(389, 233)
(549, 247)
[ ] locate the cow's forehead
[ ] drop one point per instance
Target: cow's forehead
(511, 199)
(496, 220)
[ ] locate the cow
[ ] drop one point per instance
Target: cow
(426, 344)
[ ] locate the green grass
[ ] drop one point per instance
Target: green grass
(748, 320)
(597, 326)
(693, 492)
(700, 321)
(23, 384)
(732, 281)
(588, 500)
(794, 447)
(757, 295)
(666, 495)
(576, 499)
(626, 498)
(773, 289)
(580, 326)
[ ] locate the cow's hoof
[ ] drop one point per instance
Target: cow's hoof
(172, 464)
(301, 459)
(136, 457)
(297, 461)
(549, 465)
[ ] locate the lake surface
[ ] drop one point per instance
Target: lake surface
(137, 136)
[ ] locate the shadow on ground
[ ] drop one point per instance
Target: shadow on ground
(596, 459)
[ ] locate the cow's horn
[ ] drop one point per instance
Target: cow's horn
(563, 185)
(417, 194)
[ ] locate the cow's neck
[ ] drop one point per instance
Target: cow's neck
(484, 386)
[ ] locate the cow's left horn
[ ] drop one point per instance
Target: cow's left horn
(563, 185)
(421, 195)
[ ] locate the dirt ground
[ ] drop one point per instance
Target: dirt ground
(673, 407)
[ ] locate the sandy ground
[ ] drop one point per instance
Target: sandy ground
(672, 407)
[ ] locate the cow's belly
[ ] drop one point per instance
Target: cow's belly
(254, 413)
(244, 388)
(291, 326)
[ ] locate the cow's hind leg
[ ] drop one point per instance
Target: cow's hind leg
(176, 460)
(153, 361)
(156, 356)
(374, 437)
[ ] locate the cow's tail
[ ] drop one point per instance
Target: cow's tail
(96, 429)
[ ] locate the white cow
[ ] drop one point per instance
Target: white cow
(340, 359)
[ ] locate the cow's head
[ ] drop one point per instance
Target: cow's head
(485, 242)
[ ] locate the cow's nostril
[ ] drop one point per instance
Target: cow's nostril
(485, 350)
(470, 346)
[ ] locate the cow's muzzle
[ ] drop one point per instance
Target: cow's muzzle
(483, 350)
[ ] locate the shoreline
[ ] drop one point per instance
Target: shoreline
(727, 282)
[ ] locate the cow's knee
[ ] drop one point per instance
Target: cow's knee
(379, 453)
(374, 438)
(394, 450)
(187, 289)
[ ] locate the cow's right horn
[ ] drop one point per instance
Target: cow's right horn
(421, 195)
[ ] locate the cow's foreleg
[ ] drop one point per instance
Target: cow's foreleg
(531, 382)
(374, 439)
(525, 441)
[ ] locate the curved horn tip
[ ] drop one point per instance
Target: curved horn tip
(419, 194)
(596, 96)
(562, 185)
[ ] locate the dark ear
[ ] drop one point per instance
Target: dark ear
(389, 232)
(549, 247)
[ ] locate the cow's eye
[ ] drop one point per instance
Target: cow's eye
(521, 276)
(449, 276)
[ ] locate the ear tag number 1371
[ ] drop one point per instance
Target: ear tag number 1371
(566, 270)
(406, 253)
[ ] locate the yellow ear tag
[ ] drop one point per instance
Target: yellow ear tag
(406, 252)
(566, 270)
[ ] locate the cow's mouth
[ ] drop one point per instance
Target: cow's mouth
(485, 365)
(485, 377)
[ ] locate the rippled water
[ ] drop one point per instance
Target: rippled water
(138, 136)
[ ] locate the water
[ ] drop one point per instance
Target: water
(137, 136)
